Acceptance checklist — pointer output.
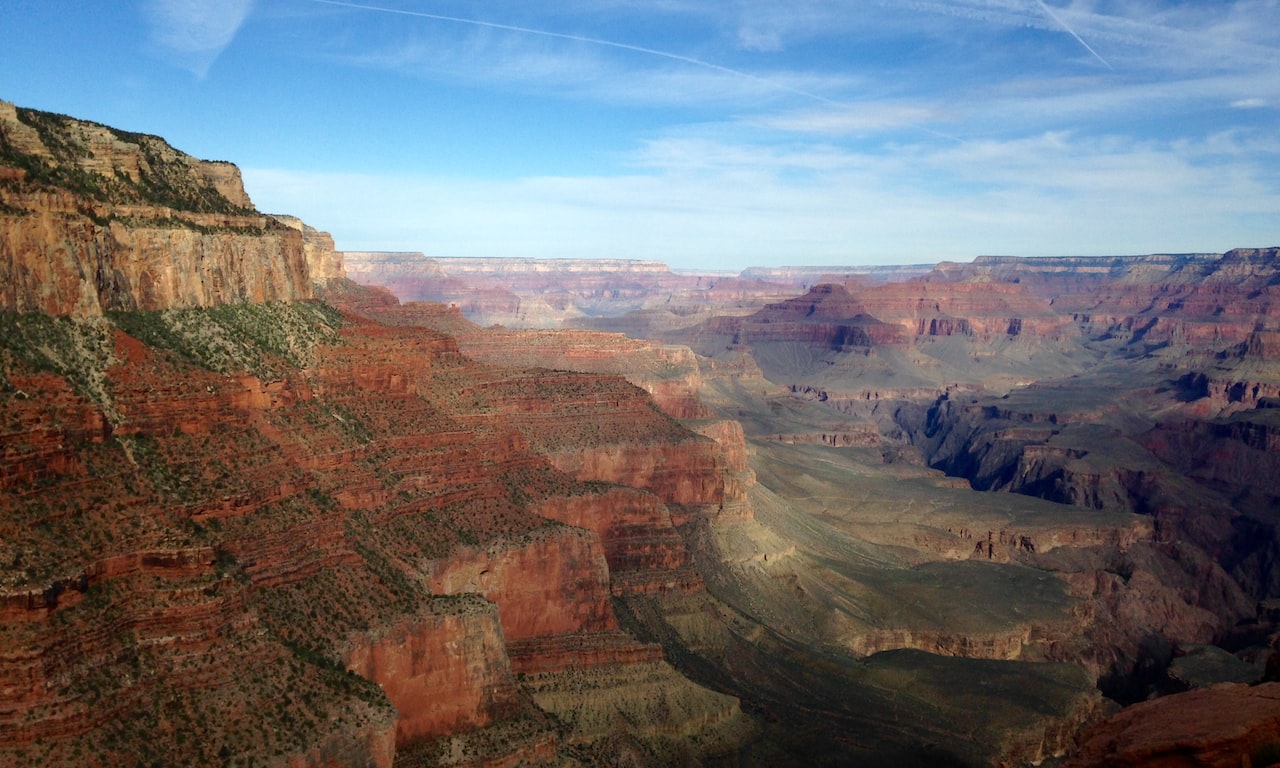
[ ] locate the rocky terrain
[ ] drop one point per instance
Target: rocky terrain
(263, 532)
(98, 219)
(1143, 386)
(254, 512)
(551, 293)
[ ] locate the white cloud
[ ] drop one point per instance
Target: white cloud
(195, 32)
(581, 69)
(730, 206)
(853, 118)
(1134, 34)
(860, 161)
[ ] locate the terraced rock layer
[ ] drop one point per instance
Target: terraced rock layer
(94, 219)
(376, 512)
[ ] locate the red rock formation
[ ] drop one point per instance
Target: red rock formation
(1221, 727)
(279, 486)
(868, 315)
(670, 374)
(829, 315)
(586, 651)
(1191, 301)
(644, 551)
(551, 583)
(688, 474)
(444, 672)
(324, 262)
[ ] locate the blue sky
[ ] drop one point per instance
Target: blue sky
(708, 134)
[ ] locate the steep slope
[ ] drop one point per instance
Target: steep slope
(94, 219)
(236, 528)
(263, 532)
(775, 589)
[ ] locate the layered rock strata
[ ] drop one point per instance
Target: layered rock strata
(95, 219)
(312, 521)
(549, 293)
(324, 262)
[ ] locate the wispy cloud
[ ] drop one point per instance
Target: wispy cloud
(195, 32)
(1165, 54)
(719, 204)
(767, 82)
(1249, 103)
(579, 71)
(1058, 20)
(813, 133)
(1146, 34)
(854, 118)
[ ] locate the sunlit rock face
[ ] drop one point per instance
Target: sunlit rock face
(265, 531)
(443, 672)
(324, 261)
(323, 540)
(95, 219)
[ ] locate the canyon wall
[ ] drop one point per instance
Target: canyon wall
(94, 219)
(324, 261)
(550, 293)
(364, 520)
(313, 539)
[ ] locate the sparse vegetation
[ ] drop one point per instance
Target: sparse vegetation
(214, 551)
(163, 178)
(78, 350)
(264, 339)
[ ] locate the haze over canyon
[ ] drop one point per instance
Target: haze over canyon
(265, 502)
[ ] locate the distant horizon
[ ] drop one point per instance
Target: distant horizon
(730, 271)
(705, 136)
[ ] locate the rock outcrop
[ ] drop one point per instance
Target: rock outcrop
(367, 532)
(1220, 727)
(444, 672)
(354, 551)
(94, 219)
(324, 262)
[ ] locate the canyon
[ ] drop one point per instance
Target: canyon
(265, 502)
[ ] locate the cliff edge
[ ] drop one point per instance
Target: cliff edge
(94, 218)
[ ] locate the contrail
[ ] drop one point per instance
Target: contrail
(1049, 12)
(594, 41)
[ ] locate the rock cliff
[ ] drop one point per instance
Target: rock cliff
(1136, 386)
(1148, 407)
(311, 539)
(94, 219)
(369, 512)
(324, 262)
